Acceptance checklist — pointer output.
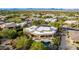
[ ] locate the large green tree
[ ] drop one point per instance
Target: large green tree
(23, 42)
(55, 24)
(38, 46)
(39, 22)
(10, 33)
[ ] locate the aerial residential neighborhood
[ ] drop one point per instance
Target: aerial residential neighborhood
(39, 30)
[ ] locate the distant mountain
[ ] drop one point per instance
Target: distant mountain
(58, 9)
(31, 9)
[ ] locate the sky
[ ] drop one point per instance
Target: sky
(39, 3)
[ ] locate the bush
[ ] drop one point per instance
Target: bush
(23, 43)
(39, 22)
(38, 46)
(1, 35)
(10, 33)
(55, 24)
(20, 33)
(56, 40)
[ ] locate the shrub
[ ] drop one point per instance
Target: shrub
(10, 33)
(38, 46)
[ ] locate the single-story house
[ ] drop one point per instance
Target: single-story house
(36, 18)
(74, 37)
(50, 20)
(41, 33)
(70, 23)
(9, 25)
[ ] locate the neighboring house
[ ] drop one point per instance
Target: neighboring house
(9, 25)
(40, 33)
(71, 17)
(76, 15)
(36, 18)
(61, 16)
(2, 18)
(70, 23)
(50, 20)
(22, 24)
(47, 15)
(1, 22)
(27, 22)
(46, 19)
(36, 15)
(74, 37)
(23, 18)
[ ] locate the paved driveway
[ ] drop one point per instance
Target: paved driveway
(65, 45)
